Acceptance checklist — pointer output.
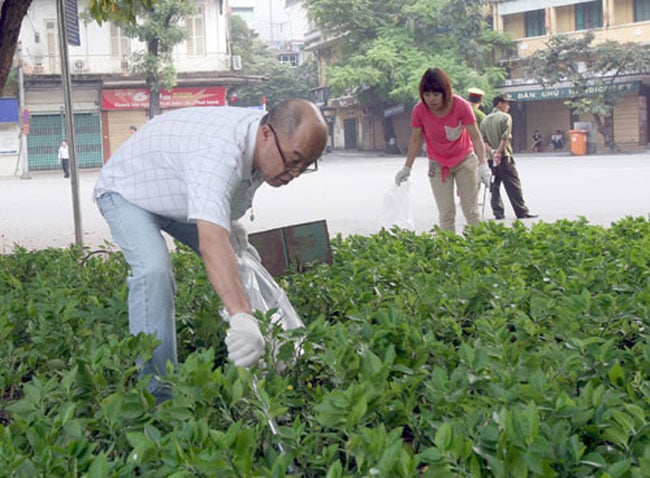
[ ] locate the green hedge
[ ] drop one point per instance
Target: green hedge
(507, 352)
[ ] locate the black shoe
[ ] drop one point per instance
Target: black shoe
(527, 216)
(499, 217)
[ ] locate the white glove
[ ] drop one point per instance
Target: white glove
(402, 175)
(484, 174)
(244, 340)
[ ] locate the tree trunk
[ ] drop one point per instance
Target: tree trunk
(390, 141)
(605, 125)
(153, 82)
(12, 13)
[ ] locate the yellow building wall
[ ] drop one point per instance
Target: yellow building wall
(515, 25)
(623, 13)
(565, 19)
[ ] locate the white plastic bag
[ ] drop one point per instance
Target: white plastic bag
(263, 292)
(396, 210)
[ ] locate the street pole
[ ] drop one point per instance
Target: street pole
(69, 120)
(24, 157)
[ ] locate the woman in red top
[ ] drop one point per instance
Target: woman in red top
(446, 123)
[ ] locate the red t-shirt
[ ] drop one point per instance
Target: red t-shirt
(447, 140)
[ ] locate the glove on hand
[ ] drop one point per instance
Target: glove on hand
(244, 340)
(402, 175)
(484, 174)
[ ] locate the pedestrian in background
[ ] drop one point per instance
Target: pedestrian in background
(496, 129)
(63, 158)
(475, 96)
(446, 123)
(537, 142)
(557, 139)
(192, 174)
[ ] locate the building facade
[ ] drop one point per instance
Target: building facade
(107, 98)
(530, 25)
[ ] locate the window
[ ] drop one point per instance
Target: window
(535, 23)
(589, 15)
(641, 10)
(120, 43)
(288, 59)
(196, 39)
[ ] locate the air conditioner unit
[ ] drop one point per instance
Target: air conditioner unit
(236, 62)
(79, 66)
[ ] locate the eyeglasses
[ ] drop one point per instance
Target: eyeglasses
(298, 167)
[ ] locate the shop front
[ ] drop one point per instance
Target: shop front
(544, 109)
(126, 110)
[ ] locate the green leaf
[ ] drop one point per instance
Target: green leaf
(444, 437)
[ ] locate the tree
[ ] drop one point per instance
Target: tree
(257, 59)
(161, 28)
(12, 13)
(588, 69)
(386, 45)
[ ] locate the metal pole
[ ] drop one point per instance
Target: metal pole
(65, 76)
(23, 156)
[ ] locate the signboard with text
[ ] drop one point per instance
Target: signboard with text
(137, 99)
(72, 22)
(568, 92)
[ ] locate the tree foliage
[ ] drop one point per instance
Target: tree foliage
(118, 11)
(12, 13)
(594, 72)
(282, 81)
(386, 45)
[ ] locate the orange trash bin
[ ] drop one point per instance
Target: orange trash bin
(578, 141)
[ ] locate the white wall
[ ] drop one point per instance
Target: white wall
(94, 55)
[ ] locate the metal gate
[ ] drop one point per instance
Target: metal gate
(47, 131)
(350, 130)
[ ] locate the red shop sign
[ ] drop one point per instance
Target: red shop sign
(137, 99)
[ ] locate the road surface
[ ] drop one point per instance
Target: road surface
(348, 192)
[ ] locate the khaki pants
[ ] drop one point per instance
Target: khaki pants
(465, 175)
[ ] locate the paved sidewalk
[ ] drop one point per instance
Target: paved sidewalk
(348, 192)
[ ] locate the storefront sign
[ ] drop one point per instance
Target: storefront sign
(8, 110)
(138, 99)
(569, 92)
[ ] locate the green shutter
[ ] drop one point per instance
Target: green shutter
(47, 131)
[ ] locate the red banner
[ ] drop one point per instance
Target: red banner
(138, 99)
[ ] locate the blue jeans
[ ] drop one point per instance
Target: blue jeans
(151, 284)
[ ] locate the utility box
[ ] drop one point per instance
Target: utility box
(293, 247)
(591, 134)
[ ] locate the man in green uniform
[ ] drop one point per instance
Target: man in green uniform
(475, 97)
(496, 129)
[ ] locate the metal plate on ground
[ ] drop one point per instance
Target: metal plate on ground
(293, 248)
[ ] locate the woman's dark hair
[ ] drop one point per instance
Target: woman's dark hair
(436, 80)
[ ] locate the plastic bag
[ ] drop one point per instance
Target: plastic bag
(396, 210)
(263, 292)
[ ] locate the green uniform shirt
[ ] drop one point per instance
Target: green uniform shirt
(479, 114)
(495, 127)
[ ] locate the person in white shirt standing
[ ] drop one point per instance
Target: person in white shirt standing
(192, 172)
(64, 158)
